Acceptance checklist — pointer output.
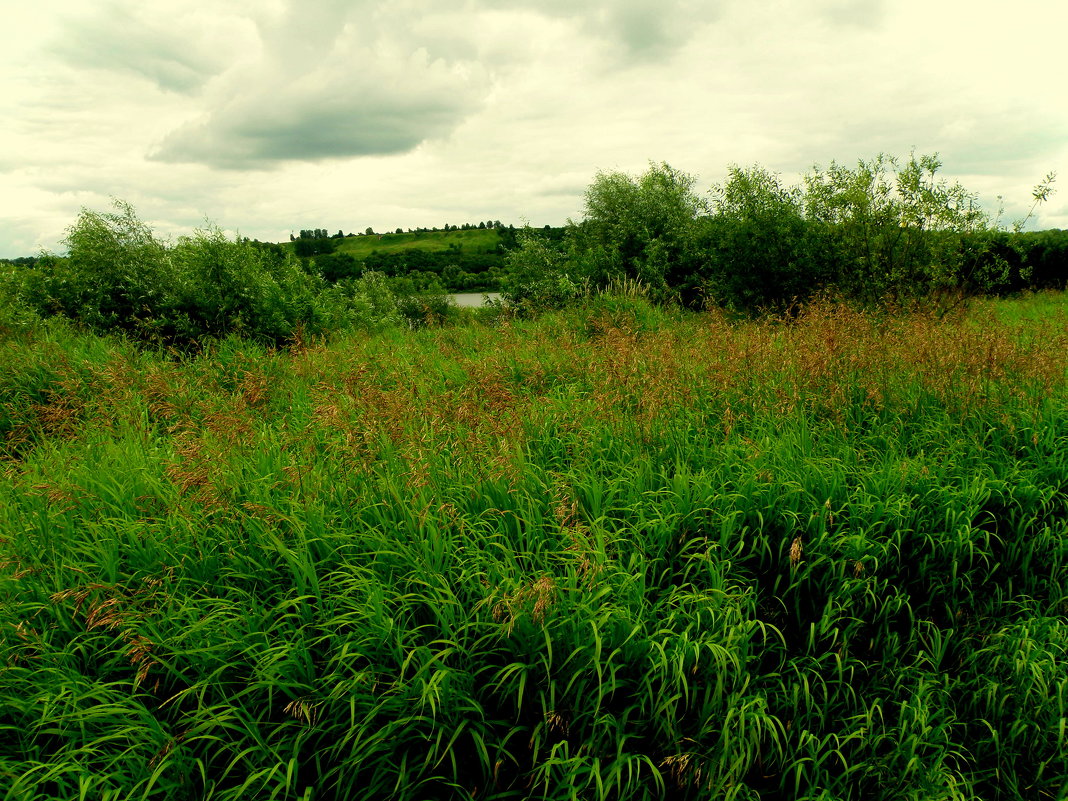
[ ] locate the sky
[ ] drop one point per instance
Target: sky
(265, 117)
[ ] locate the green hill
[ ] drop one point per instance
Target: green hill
(476, 240)
(462, 260)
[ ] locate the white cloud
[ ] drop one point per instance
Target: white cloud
(178, 54)
(273, 116)
(336, 80)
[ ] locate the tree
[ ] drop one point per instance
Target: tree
(117, 272)
(896, 228)
(757, 250)
(636, 227)
(540, 276)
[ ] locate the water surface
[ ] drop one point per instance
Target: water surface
(474, 299)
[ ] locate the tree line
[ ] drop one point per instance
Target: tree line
(883, 231)
(880, 232)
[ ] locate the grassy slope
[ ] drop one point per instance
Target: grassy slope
(609, 553)
(472, 241)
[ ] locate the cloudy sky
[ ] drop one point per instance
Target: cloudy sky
(268, 116)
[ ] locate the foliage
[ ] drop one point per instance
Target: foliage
(1045, 254)
(15, 314)
(117, 274)
(304, 247)
(118, 277)
(229, 286)
(428, 309)
(334, 267)
(618, 552)
(895, 228)
(366, 303)
(540, 276)
(636, 227)
(758, 250)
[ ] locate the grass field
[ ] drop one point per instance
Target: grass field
(616, 552)
(473, 240)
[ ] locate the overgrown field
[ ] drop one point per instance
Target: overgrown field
(614, 552)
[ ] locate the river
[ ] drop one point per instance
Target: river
(474, 299)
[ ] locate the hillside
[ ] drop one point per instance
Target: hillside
(475, 240)
(472, 241)
(456, 260)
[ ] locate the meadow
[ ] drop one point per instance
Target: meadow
(619, 551)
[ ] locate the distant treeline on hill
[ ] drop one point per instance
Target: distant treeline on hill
(312, 241)
(428, 257)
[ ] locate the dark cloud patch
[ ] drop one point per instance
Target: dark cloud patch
(653, 31)
(867, 14)
(248, 139)
(333, 80)
(645, 30)
(174, 56)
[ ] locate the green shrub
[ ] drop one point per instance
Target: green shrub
(757, 249)
(226, 286)
(16, 315)
(636, 227)
(427, 310)
(540, 277)
(894, 228)
(118, 277)
(366, 303)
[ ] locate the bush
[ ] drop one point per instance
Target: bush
(334, 267)
(117, 274)
(118, 277)
(229, 286)
(636, 227)
(894, 229)
(15, 314)
(756, 251)
(540, 277)
(427, 310)
(365, 303)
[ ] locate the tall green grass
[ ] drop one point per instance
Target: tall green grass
(615, 552)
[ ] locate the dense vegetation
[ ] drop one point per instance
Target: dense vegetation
(614, 552)
(882, 232)
(746, 497)
(456, 259)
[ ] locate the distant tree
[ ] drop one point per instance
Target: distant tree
(334, 267)
(307, 246)
(369, 232)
